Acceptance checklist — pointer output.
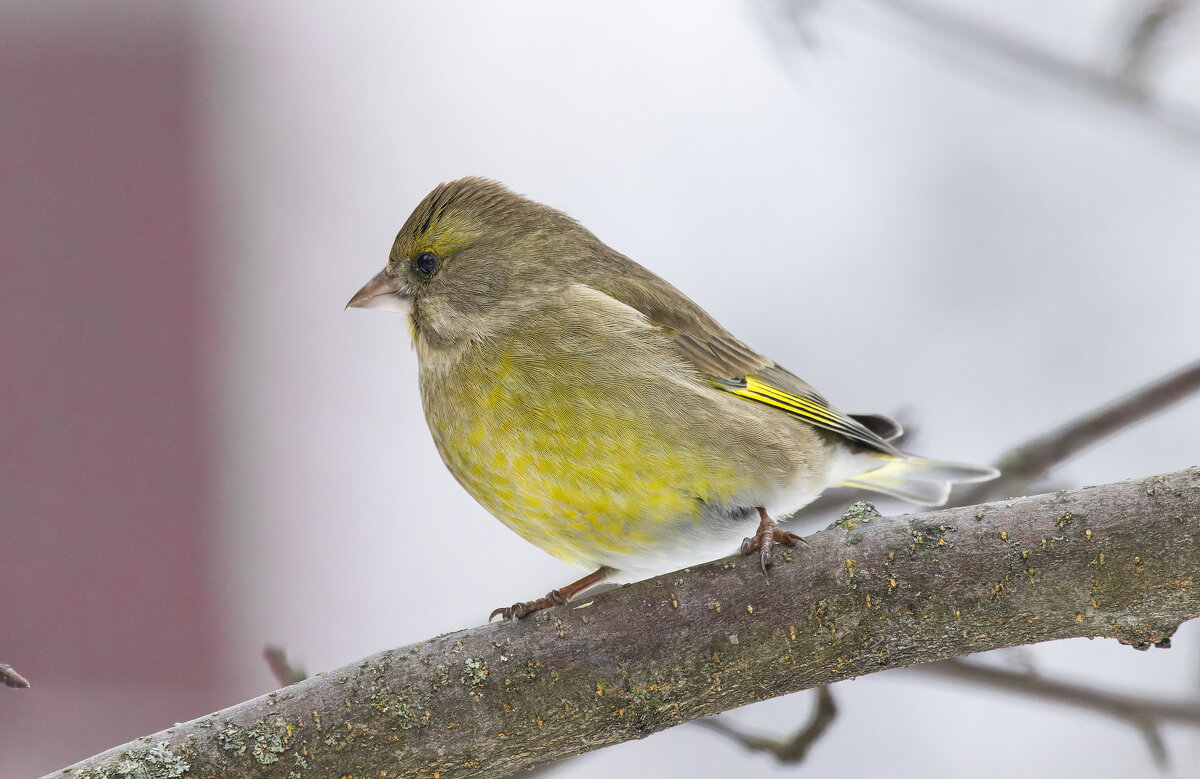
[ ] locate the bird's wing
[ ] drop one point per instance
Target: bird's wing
(733, 367)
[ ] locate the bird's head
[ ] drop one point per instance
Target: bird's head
(472, 257)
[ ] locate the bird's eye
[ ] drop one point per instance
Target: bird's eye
(426, 263)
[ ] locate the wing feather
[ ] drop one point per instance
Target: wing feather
(731, 365)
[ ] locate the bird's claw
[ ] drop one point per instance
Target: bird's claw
(522, 610)
(764, 540)
(506, 612)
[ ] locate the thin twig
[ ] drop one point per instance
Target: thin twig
(1144, 39)
(11, 678)
(980, 44)
(285, 673)
(1031, 460)
(787, 751)
(1145, 714)
(1027, 463)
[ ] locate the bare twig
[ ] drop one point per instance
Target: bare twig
(11, 678)
(981, 46)
(1145, 714)
(787, 751)
(1030, 461)
(1144, 39)
(285, 673)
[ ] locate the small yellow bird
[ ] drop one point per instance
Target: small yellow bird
(600, 413)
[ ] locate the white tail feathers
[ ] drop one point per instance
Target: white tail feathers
(919, 480)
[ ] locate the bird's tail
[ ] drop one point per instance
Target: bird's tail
(919, 480)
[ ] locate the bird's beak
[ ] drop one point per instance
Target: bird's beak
(382, 293)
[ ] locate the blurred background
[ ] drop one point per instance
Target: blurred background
(201, 453)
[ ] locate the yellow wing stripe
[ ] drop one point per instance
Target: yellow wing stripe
(766, 394)
(808, 412)
(787, 399)
(812, 411)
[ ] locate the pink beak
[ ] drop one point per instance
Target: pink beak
(381, 293)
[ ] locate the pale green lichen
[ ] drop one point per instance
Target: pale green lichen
(270, 741)
(405, 714)
(231, 739)
(266, 741)
(859, 511)
(409, 716)
(156, 762)
(475, 673)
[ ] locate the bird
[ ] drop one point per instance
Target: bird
(600, 413)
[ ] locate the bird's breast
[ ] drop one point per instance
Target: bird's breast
(597, 452)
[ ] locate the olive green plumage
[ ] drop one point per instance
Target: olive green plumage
(596, 410)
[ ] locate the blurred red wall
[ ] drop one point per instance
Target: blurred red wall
(106, 470)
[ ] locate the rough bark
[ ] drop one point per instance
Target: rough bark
(1120, 560)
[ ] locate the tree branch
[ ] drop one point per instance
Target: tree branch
(985, 47)
(11, 678)
(1032, 460)
(1144, 39)
(283, 670)
(1120, 560)
(1143, 713)
(787, 751)
(1028, 463)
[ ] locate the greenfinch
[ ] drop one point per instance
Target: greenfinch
(601, 414)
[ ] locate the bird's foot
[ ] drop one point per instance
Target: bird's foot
(553, 598)
(765, 539)
(522, 610)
